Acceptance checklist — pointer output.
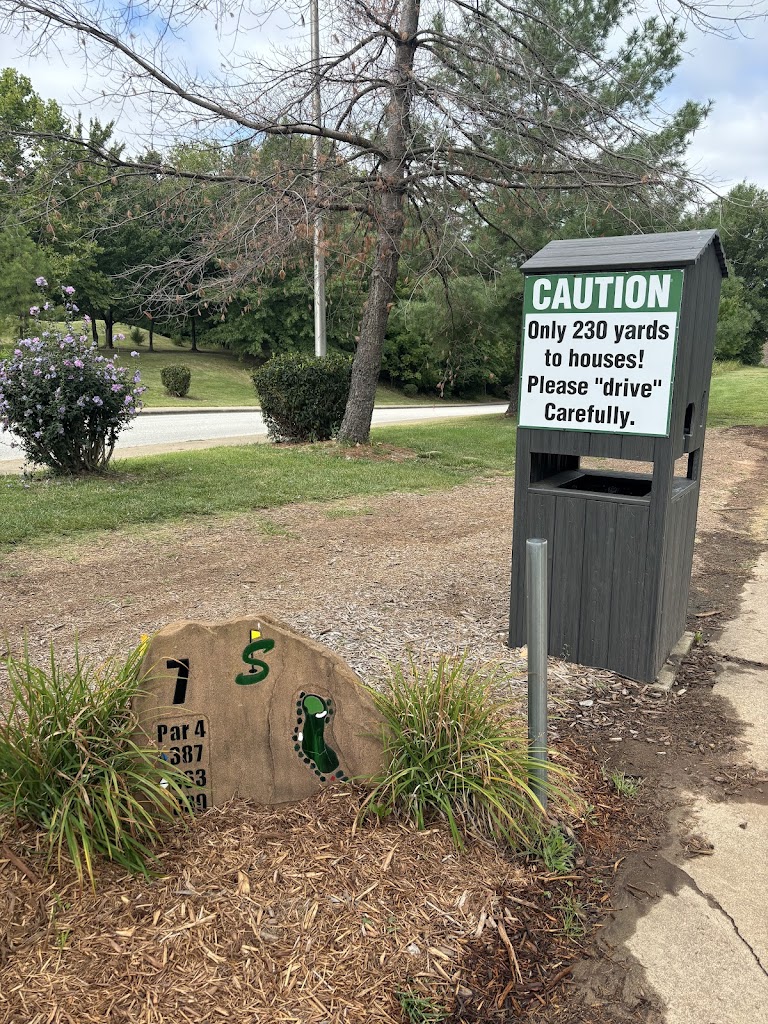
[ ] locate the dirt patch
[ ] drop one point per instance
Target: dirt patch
(370, 577)
(375, 578)
(377, 451)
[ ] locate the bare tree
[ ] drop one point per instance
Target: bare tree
(440, 108)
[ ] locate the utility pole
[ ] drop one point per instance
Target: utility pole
(319, 255)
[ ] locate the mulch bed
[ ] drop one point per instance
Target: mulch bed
(293, 914)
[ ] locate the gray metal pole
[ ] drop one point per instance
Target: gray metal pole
(319, 255)
(536, 598)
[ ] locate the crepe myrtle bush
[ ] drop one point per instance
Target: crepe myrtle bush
(64, 401)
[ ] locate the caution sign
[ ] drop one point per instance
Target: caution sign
(599, 351)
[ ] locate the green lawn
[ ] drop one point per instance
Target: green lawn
(739, 397)
(219, 378)
(259, 476)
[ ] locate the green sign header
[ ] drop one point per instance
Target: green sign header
(655, 291)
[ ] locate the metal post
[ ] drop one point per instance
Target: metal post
(536, 598)
(319, 255)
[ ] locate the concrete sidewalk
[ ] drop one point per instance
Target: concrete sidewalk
(705, 948)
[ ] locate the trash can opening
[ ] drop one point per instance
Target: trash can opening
(635, 487)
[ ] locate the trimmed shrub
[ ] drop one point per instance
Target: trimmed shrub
(176, 380)
(65, 402)
(137, 336)
(302, 397)
(410, 390)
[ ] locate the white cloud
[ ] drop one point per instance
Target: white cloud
(733, 73)
(733, 145)
(79, 81)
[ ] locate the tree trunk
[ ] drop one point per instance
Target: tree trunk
(151, 335)
(356, 425)
(514, 399)
(95, 331)
(194, 335)
(513, 390)
(108, 325)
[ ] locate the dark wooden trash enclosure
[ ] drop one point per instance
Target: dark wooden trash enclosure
(618, 341)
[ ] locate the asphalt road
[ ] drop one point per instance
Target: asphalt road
(173, 431)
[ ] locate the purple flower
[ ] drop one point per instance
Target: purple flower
(134, 354)
(97, 400)
(68, 290)
(128, 400)
(79, 364)
(41, 282)
(34, 310)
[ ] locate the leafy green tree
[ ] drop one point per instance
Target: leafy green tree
(736, 323)
(22, 262)
(557, 39)
(414, 120)
(742, 219)
(459, 337)
(26, 124)
(65, 210)
(25, 121)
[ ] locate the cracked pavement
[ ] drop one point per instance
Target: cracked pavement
(704, 947)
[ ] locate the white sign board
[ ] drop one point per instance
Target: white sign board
(599, 351)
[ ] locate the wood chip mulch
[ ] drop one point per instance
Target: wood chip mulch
(292, 914)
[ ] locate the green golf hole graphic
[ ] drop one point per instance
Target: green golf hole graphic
(312, 715)
(259, 670)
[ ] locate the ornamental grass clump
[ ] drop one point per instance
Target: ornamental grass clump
(65, 403)
(456, 753)
(69, 764)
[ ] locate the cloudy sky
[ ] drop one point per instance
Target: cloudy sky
(733, 73)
